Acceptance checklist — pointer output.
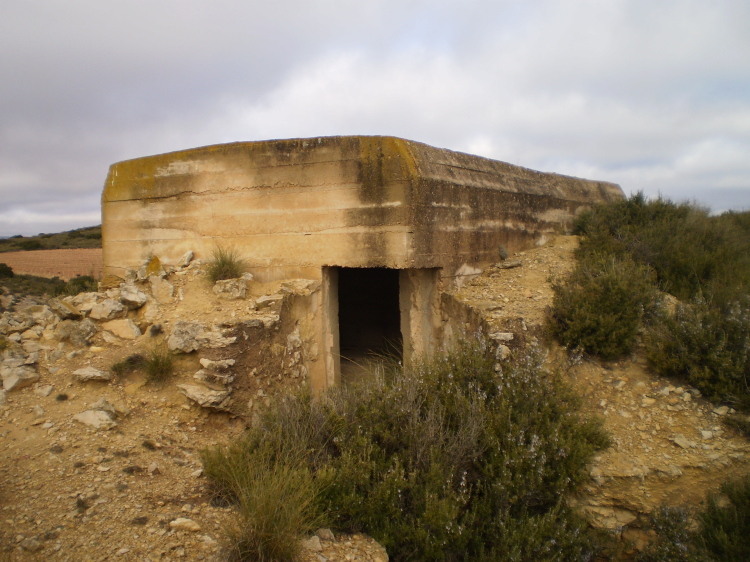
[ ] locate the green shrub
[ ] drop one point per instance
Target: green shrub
(225, 263)
(673, 537)
(739, 422)
(600, 307)
(6, 271)
(694, 255)
(31, 245)
(448, 461)
(276, 500)
(725, 525)
(159, 365)
(706, 346)
(80, 284)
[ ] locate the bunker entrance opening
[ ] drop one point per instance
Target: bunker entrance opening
(369, 319)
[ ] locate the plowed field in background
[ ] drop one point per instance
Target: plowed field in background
(64, 264)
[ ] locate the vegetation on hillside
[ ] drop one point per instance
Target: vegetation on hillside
(634, 247)
(449, 460)
(89, 237)
(721, 534)
(21, 284)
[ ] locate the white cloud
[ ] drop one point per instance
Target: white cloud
(654, 95)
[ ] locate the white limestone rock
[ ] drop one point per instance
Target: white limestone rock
(98, 419)
(219, 365)
(161, 289)
(16, 378)
(76, 332)
(92, 374)
(132, 297)
(123, 328)
(106, 310)
(191, 336)
(184, 524)
(186, 258)
(230, 289)
(204, 396)
(268, 301)
(66, 310)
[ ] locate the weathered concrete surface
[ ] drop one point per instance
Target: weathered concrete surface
(292, 206)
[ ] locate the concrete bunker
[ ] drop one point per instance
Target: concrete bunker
(379, 226)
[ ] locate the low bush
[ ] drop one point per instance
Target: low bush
(225, 263)
(707, 347)
(276, 499)
(600, 307)
(694, 254)
(6, 271)
(721, 533)
(673, 541)
(725, 523)
(80, 284)
(450, 460)
(159, 364)
(22, 284)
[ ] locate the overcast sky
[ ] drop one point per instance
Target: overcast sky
(651, 94)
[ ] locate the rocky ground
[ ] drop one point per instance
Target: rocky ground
(669, 446)
(96, 467)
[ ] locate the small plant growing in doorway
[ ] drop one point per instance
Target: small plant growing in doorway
(225, 263)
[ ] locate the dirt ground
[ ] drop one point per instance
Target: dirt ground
(64, 264)
(68, 492)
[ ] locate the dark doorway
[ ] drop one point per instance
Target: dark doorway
(369, 316)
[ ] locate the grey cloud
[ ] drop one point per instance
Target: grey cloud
(653, 95)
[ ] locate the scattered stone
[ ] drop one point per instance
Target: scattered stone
(312, 543)
(189, 336)
(31, 544)
(508, 264)
(218, 365)
(325, 534)
(230, 289)
(16, 378)
(153, 469)
(44, 390)
(204, 396)
(2, 397)
(707, 434)
(185, 524)
(646, 401)
(267, 301)
(98, 419)
(682, 441)
(123, 328)
(502, 336)
(77, 333)
(92, 374)
(721, 410)
(161, 289)
(186, 258)
(106, 310)
(131, 296)
(65, 310)
(103, 405)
